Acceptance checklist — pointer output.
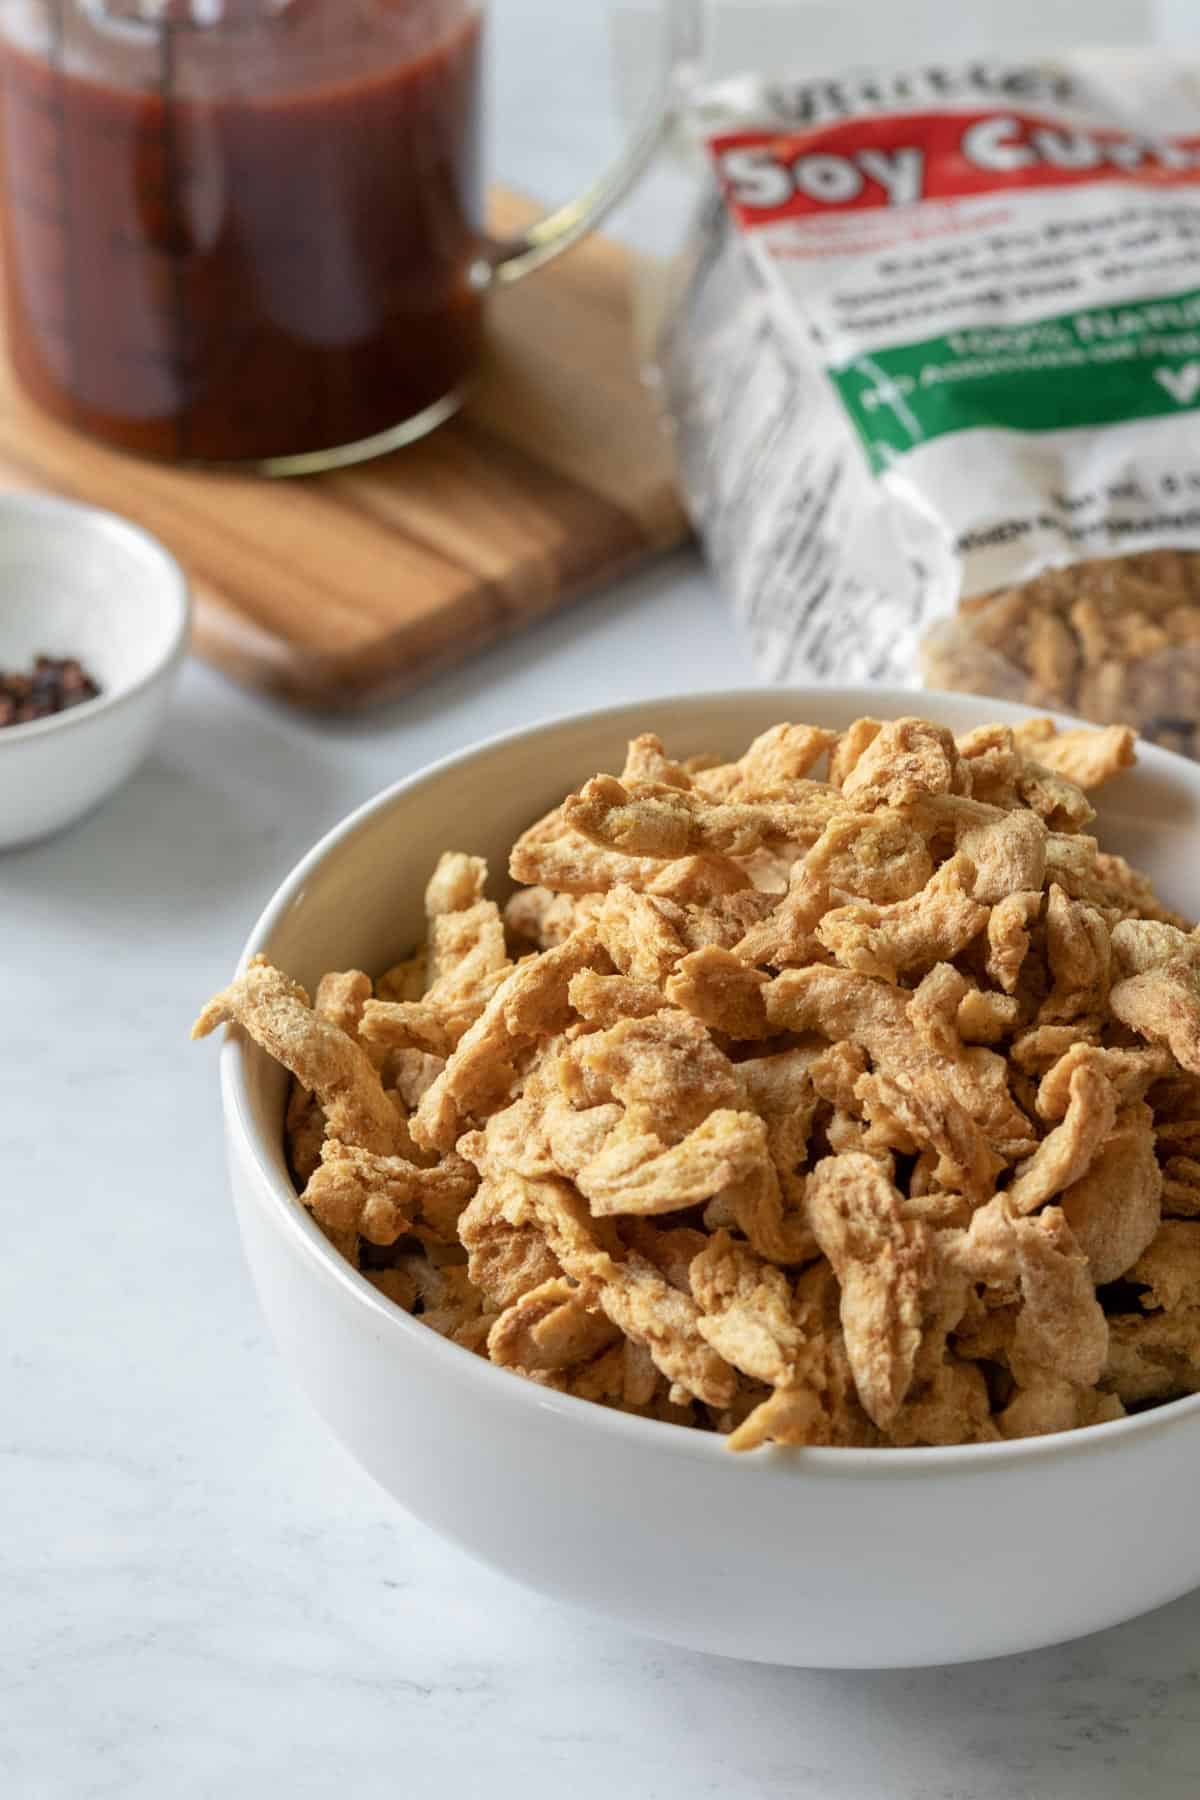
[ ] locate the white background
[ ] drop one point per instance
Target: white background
(199, 1594)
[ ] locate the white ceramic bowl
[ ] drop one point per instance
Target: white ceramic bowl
(834, 1558)
(75, 581)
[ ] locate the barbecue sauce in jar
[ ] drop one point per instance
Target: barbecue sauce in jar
(249, 242)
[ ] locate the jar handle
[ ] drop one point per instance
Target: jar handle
(512, 258)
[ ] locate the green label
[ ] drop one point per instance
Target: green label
(1094, 367)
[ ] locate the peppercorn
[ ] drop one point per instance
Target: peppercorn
(55, 684)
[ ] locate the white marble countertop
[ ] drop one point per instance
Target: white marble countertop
(199, 1593)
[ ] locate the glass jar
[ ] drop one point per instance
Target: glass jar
(251, 231)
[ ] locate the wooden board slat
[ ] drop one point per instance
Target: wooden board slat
(344, 588)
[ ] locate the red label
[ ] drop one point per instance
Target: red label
(874, 162)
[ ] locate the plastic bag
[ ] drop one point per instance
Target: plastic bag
(932, 360)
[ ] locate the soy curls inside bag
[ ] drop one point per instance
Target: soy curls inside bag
(933, 363)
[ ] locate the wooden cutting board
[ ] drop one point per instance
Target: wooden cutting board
(339, 589)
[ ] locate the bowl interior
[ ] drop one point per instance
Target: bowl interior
(356, 900)
(75, 581)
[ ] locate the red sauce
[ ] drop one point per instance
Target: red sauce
(195, 272)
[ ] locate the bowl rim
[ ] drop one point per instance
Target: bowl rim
(463, 1365)
(176, 591)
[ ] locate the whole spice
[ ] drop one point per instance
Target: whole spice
(55, 684)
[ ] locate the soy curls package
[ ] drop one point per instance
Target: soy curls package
(933, 364)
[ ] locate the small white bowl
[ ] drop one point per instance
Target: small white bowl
(831, 1558)
(76, 581)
